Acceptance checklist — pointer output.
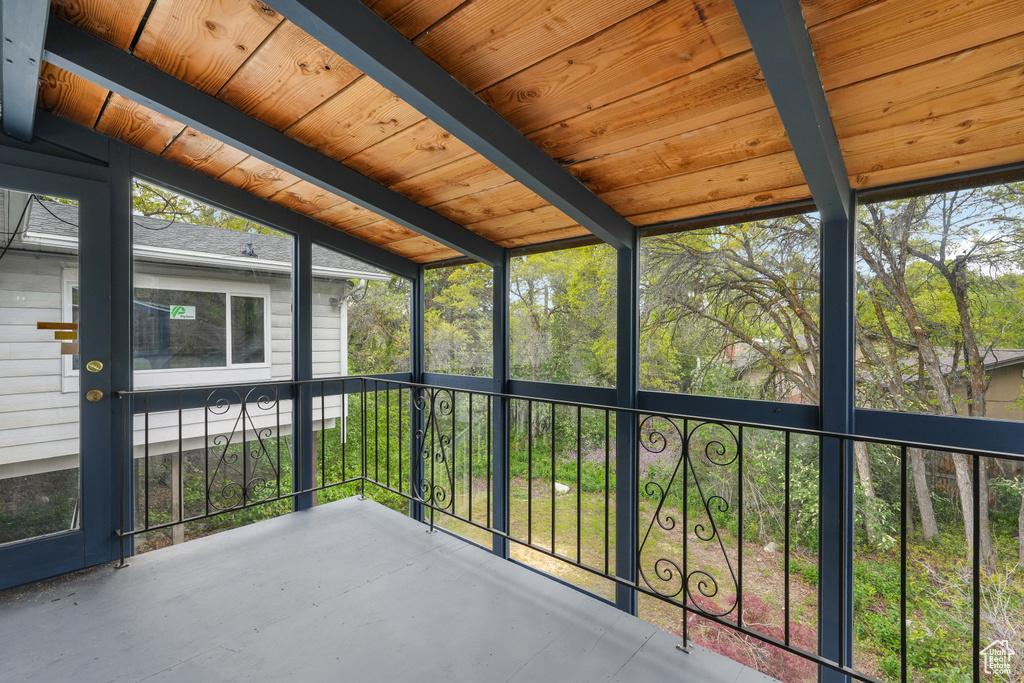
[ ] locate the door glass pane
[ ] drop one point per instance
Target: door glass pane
(39, 421)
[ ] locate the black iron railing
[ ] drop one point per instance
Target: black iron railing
(203, 452)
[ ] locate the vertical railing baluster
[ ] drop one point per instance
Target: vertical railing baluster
(432, 417)
(903, 564)
(786, 513)
(976, 562)
(739, 549)
(685, 455)
(277, 412)
(401, 466)
(607, 485)
(470, 448)
(579, 480)
(207, 484)
(387, 435)
(553, 491)
(177, 481)
(362, 437)
(323, 435)
(145, 469)
(376, 431)
(529, 472)
(343, 431)
(245, 448)
(490, 456)
(454, 453)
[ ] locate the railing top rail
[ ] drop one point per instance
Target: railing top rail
(362, 380)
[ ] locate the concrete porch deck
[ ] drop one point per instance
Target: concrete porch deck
(349, 591)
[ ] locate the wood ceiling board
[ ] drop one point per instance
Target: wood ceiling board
(758, 200)
(819, 11)
(491, 203)
(306, 198)
(986, 74)
(202, 153)
(287, 77)
(415, 150)
(893, 34)
(487, 40)
(384, 232)
(356, 118)
(422, 249)
(69, 96)
(412, 18)
(451, 181)
(258, 177)
(346, 216)
(137, 125)
(523, 224)
(665, 42)
(758, 175)
(744, 137)
(203, 42)
(730, 88)
(541, 238)
(972, 161)
(115, 21)
(937, 138)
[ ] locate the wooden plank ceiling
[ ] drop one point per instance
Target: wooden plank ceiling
(658, 107)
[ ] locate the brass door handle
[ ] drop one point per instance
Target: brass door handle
(94, 395)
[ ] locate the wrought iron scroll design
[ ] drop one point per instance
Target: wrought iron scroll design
(436, 456)
(246, 465)
(670, 577)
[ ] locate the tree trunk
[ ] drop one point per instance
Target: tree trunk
(929, 528)
(963, 484)
(860, 455)
(988, 552)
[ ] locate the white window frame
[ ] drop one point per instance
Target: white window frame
(231, 372)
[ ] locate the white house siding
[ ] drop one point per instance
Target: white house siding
(38, 419)
(39, 409)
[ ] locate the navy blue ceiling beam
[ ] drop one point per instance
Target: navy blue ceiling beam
(778, 34)
(369, 43)
(82, 53)
(24, 29)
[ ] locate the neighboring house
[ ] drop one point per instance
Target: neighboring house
(211, 306)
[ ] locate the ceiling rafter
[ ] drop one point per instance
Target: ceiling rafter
(782, 45)
(24, 29)
(82, 53)
(369, 43)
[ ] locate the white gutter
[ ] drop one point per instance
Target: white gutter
(199, 258)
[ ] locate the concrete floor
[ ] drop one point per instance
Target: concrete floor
(349, 591)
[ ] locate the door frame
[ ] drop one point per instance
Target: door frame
(95, 541)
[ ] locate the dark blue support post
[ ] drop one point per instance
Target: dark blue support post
(627, 386)
(121, 337)
(835, 586)
(417, 358)
(782, 45)
(500, 452)
(303, 464)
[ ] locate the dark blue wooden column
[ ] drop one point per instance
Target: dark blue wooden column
(417, 362)
(627, 385)
(121, 366)
(782, 45)
(303, 477)
(500, 452)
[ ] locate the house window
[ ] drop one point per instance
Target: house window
(189, 329)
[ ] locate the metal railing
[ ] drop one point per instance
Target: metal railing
(228, 448)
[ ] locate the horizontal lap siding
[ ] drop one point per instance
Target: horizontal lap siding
(39, 410)
(38, 420)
